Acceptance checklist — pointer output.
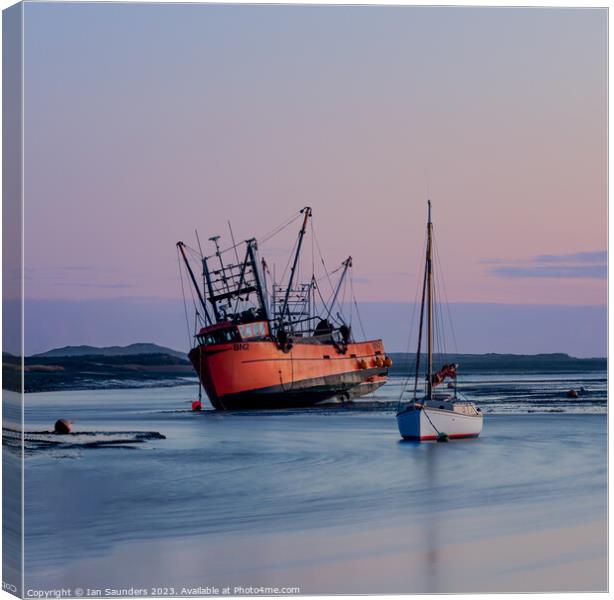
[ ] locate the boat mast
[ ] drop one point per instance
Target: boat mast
(260, 288)
(307, 211)
(181, 247)
(347, 263)
(420, 329)
(429, 277)
(265, 292)
(207, 275)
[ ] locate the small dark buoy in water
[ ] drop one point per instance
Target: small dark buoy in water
(63, 427)
(572, 394)
(443, 437)
(196, 405)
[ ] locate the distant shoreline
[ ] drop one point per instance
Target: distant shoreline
(94, 372)
(110, 369)
(506, 363)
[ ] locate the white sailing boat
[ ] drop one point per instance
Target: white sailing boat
(438, 415)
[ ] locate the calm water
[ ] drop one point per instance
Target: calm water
(328, 501)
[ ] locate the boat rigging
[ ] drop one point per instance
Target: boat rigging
(238, 308)
(436, 416)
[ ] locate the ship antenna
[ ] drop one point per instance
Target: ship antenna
(200, 249)
(214, 239)
(234, 244)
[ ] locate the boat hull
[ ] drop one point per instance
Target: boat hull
(258, 374)
(426, 423)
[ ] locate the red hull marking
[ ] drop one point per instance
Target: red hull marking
(454, 436)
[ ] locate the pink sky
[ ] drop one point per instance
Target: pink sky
(143, 123)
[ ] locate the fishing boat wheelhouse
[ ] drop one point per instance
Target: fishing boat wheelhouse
(275, 348)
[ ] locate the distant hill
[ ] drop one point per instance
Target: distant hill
(132, 349)
(96, 371)
(500, 363)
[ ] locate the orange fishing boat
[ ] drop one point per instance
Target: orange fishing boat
(275, 348)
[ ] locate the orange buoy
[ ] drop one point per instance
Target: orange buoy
(572, 394)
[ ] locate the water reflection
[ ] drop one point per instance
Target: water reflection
(433, 521)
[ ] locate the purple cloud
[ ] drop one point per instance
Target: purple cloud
(581, 265)
(562, 272)
(600, 256)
